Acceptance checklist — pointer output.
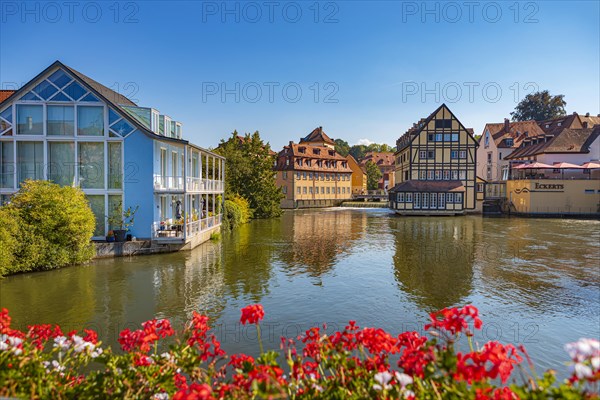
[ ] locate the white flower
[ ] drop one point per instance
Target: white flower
(3, 346)
(582, 371)
(161, 396)
(403, 379)
(408, 394)
(583, 349)
(61, 342)
(80, 345)
(596, 363)
(382, 378)
(96, 352)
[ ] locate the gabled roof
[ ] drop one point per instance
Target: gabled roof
(382, 159)
(318, 136)
(568, 140)
(404, 140)
(516, 130)
(107, 95)
(5, 94)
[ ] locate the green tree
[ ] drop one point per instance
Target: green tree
(55, 226)
(342, 147)
(358, 151)
(249, 173)
(373, 175)
(539, 106)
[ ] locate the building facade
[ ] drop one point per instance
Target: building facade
(312, 174)
(435, 167)
(359, 176)
(65, 127)
(385, 161)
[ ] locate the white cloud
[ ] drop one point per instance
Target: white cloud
(365, 142)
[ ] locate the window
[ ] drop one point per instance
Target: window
(430, 153)
(454, 175)
(7, 165)
(287, 162)
(442, 202)
(299, 189)
(425, 200)
(400, 197)
(90, 121)
(328, 190)
(430, 175)
(433, 200)
(30, 120)
(447, 137)
(327, 176)
(299, 162)
(443, 123)
(480, 188)
(339, 190)
(115, 175)
(97, 206)
(304, 175)
(91, 165)
(284, 189)
(344, 190)
(310, 175)
(487, 139)
(438, 175)
(463, 154)
(449, 197)
(61, 120)
(509, 142)
(454, 154)
(284, 174)
(30, 156)
(446, 175)
(500, 156)
(417, 197)
(439, 137)
(304, 190)
(422, 154)
(462, 174)
(322, 189)
(409, 197)
(298, 175)
(455, 137)
(322, 176)
(61, 162)
(458, 198)
(422, 175)
(431, 137)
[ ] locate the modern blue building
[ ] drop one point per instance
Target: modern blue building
(65, 127)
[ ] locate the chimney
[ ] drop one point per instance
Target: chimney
(585, 124)
(506, 125)
(291, 143)
(587, 114)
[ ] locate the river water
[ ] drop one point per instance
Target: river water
(535, 281)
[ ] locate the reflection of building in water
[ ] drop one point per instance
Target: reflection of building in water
(314, 240)
(433, 259)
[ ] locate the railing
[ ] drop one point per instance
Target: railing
(204, 185)
(175, 231)
(168, 182)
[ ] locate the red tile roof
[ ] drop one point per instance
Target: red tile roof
(318, 136)
(5, 94)
(381, 159)
(516, 131)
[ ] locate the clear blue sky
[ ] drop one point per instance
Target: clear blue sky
(374, 58)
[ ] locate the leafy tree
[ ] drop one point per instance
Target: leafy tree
(342, 147)
(249, 173)
(373, 175)
(358, 151)
(539, 106)
(55, 226)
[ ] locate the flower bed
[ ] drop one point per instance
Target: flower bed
(355, 363)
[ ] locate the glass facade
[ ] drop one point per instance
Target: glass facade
(97, 206)
(61, 163)
(30, 160)
(61, 120)
(30, 119)
(115, 175)
(7, 165)
(91, 165)
(90, 121)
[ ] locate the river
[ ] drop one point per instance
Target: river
(535, 281)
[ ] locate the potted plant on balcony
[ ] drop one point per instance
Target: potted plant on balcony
(122, 221)
(110, 236)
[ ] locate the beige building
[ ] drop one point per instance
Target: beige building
(359, 176)
(312, 174)
(385, 161)
(435, 167)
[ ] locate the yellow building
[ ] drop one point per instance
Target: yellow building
(435, 167)
(359, 176)
(312, 174)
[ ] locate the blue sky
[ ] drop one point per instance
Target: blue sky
(362, 70)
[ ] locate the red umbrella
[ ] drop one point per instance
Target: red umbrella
(566, 165)
(535, 165)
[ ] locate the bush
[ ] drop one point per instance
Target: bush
(355, 363)
(237, 212)
(48, 226)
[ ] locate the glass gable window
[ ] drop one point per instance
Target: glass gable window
(90, 121)
(7, 165)
(30, 156)
(61, 163)
(61, 120)
(115, 176)
(30, 120)
(91, 165)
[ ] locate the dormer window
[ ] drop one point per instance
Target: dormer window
(331, 153)
(547, 125)
(509, 142)
(317, 151)
(560, 123)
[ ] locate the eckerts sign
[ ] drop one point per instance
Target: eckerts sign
(549, 186)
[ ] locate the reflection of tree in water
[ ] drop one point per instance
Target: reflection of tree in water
(314, 240)
(433, 259)
(247, 256)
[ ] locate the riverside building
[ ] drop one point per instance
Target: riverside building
(435, 167)
(312, 174)
(65, 127)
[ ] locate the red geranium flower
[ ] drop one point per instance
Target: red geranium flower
(252, 314)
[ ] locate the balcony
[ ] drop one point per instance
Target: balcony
(164, 183)
(204, 185)
(167, 231)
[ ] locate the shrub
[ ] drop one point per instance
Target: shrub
(54, 226)
(236, 212)
(355, 363)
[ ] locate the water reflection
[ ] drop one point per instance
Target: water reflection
(313, 241)
(433, 259)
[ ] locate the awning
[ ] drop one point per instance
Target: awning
(535, 165)
(566, 165)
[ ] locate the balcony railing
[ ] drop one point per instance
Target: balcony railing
(204, 185)
(162, 182)
(165, 230)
